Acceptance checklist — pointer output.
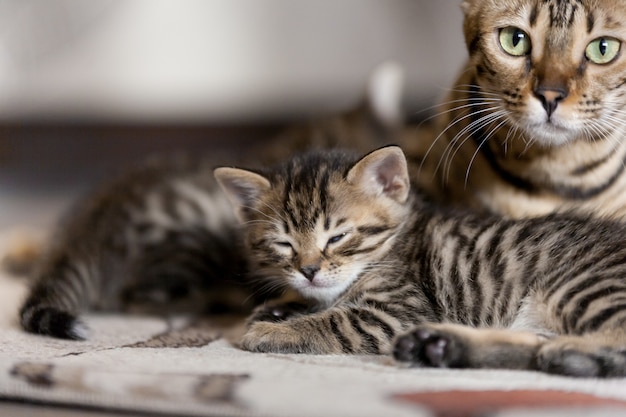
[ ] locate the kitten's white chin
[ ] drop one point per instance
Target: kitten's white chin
(322, 289)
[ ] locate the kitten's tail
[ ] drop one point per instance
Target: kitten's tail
(50, 321)
(43, 312)
(53, 303)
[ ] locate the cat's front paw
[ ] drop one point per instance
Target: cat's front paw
(266, 336)
(429, 346)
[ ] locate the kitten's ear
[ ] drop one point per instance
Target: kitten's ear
(382, 173)
(242, 187)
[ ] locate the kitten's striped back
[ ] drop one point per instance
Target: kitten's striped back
(385, 260)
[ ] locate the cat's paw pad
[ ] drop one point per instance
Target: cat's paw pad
(428, 346)
(277, 312)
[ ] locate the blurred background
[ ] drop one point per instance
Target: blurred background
(88, 86)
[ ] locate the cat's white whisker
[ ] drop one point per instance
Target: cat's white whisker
(487, 137)
(463, 136)
(451, 142)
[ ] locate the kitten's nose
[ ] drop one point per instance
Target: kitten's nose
(309, 271)
(550, 98)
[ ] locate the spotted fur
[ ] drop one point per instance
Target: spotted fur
(375, 260)
(536, 133)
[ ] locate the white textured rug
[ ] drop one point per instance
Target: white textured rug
(189, 368)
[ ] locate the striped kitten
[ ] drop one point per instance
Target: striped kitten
(536, 121)
(376, 260)
(163, 237)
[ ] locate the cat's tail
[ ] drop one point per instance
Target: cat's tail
(54, 302)
(45, 311)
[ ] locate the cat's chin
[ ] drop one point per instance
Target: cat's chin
(550, 134)
(321, 290)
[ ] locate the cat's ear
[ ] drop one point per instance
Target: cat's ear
(382, 173)
(242, 187)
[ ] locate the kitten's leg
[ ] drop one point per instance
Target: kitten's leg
(454, 346)
(457, 346)
(589, 311)
(590, 355)
(333, 331)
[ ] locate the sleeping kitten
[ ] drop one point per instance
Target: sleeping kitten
(536, 122)
(376, 259)
(164, 238)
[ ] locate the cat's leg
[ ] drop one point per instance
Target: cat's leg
(332, 331)
(455, 346)
(445, 345)
(589, 312)
(589, 355)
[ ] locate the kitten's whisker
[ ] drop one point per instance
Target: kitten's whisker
(276, 212)
(250, 222)
(256, 210)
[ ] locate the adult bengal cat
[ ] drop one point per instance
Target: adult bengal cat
(536, 122)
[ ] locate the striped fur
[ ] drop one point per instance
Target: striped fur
(537, 133)
(161, 233)
(376, 261)
(163, 237)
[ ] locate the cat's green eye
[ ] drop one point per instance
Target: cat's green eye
(336, 239)
(514, 41)
(603, 50)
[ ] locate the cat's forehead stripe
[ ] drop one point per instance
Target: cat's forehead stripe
(563, 12)
(591, 21)
(533, 16)
(305, 196)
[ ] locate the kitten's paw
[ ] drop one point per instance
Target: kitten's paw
(429, 346)
(262, 337)
(277, 312)
(273, 337)
(581, 360)
(50, 321)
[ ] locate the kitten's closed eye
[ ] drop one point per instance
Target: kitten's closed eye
(284, 247)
